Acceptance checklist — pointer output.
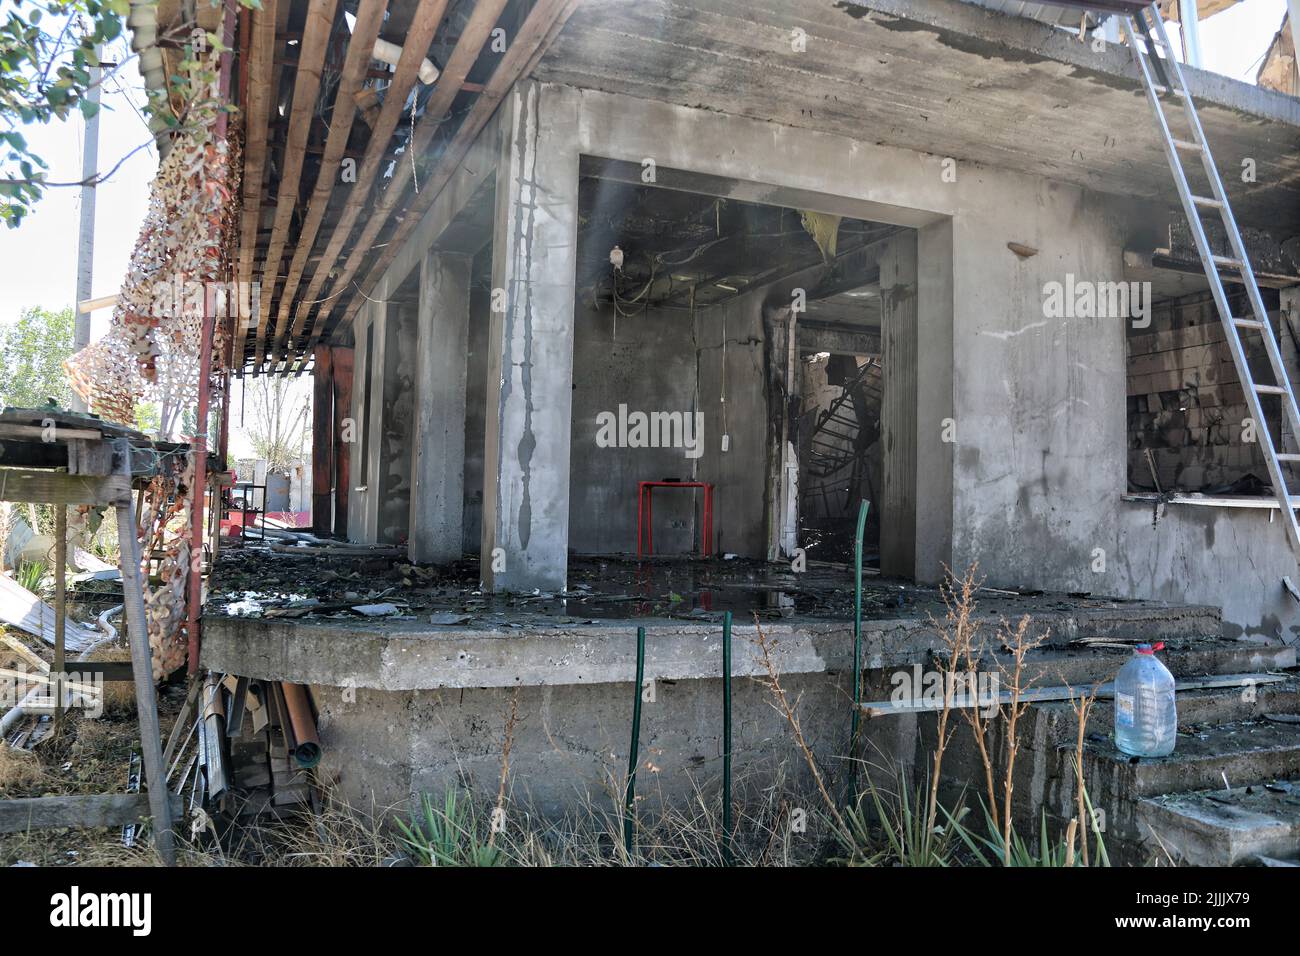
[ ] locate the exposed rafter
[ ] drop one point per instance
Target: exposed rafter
(543, 24)
(258, 107)
(472, 39)
(306, 88)
(370, 17)
(414, 49)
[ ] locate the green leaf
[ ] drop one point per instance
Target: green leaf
(88, 107)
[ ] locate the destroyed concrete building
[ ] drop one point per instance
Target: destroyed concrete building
(926, 254)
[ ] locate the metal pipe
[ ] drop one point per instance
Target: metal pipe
(306, 749)
(629, 796)
(726, 738)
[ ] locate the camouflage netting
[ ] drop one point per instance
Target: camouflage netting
(152, 346)
(178, 273)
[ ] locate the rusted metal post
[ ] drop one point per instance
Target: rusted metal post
(341, 359)
(322, 442)
(199, 448)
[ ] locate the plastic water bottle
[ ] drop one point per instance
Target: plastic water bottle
(1146, 717)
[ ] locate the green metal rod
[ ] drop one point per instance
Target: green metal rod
(629, 797)
(857, 637)
(726, 738)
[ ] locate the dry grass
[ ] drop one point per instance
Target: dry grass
(21, 772)
(119, 696)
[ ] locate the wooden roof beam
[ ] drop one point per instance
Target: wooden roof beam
(544, 22)
(306, 88)
(356, 66)
(473, 38)
(258, 109)
(414, 49)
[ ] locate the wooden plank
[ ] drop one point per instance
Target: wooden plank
(112, 672)
(473, 37)
(257, 113)
(146, 700)
(88, 810)
(26, 653)
(306, 88)
(90, 457)
(414, 48)
(60, 598)
(342, 358)
(54, 433)
(543, 24)
(370, 17)
(46, 679)
(60, 488)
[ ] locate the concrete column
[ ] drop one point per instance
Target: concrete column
(367, 407)
(530, 345)
(898, 414)
(438, 470)
(937, 433)
(396, 432)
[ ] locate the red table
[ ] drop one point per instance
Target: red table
(645, 532)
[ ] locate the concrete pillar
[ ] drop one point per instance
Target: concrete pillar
(438, 470)
(937, 433)
(367, 405)
(530, 345)
(396, 402)
(898, 413)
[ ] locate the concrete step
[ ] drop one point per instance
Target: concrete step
(1244, 750)
(1259, 824)
(1185, 657)
(1199, 710)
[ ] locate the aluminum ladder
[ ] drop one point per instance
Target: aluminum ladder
(1163, 76)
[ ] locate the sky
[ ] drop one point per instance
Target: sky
(39, 258)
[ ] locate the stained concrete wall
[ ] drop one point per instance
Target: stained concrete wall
(1032, 486)
(475, 414)
(668, 360)
(647, 363)
(396, 424)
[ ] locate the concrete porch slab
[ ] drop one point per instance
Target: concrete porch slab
(587, 635)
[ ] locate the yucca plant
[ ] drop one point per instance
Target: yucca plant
(993, 850)
(909, 840)
(31, 575)
(448, 835)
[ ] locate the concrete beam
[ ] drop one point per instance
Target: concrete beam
(409, 655)
(530, 345)
(438, 470)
